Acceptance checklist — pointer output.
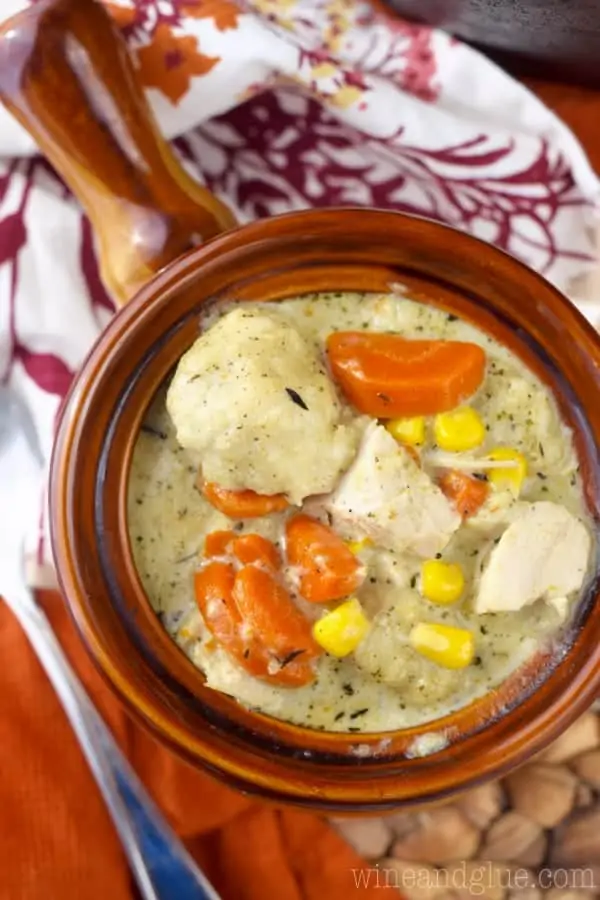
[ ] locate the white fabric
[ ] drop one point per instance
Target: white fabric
(308, 102)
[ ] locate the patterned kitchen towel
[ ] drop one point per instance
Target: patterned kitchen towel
(279, 105)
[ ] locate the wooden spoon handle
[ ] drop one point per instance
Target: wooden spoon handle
(66, 75)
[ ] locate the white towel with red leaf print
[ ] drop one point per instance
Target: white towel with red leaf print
(279, 105)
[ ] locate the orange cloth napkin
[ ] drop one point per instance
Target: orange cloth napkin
(57, 841)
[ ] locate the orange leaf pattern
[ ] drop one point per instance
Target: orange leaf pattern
(168, 56)
(169, 63)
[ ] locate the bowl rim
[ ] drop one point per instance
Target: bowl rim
(533, 732)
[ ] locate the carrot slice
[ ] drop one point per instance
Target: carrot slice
(386, 375)
(269, 611)
(213, 587)
(329, 569)
(219, 543)
(247, 548)
(214, 595)
(253, 548)
(242, 504)
(467, 493)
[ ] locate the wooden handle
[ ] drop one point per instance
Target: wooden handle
(66, 75)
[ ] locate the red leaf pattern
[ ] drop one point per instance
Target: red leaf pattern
(12, 237)
(49, 372)
(89, 267)
(282, 151)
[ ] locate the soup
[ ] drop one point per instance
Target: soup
(356, 512)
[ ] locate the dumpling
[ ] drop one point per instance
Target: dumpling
(252, 398)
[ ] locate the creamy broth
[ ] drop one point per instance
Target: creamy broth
(377, 688)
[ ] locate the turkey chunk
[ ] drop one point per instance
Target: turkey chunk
(544, 553)
(387, 497)
(252, 398)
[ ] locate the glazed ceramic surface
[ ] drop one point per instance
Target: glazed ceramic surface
(353, 250)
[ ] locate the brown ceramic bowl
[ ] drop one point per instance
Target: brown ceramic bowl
(326, 250)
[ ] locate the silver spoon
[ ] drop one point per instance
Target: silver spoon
(160, 864)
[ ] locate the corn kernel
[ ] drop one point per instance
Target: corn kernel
(441, 582)
(185, 633)
(340, 631)
(357, 546)
(409, 431)
(458, 430)
(511, 477)
(450, 647)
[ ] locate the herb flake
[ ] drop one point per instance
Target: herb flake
(183, 559)
(296, 398)
(290, 657)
